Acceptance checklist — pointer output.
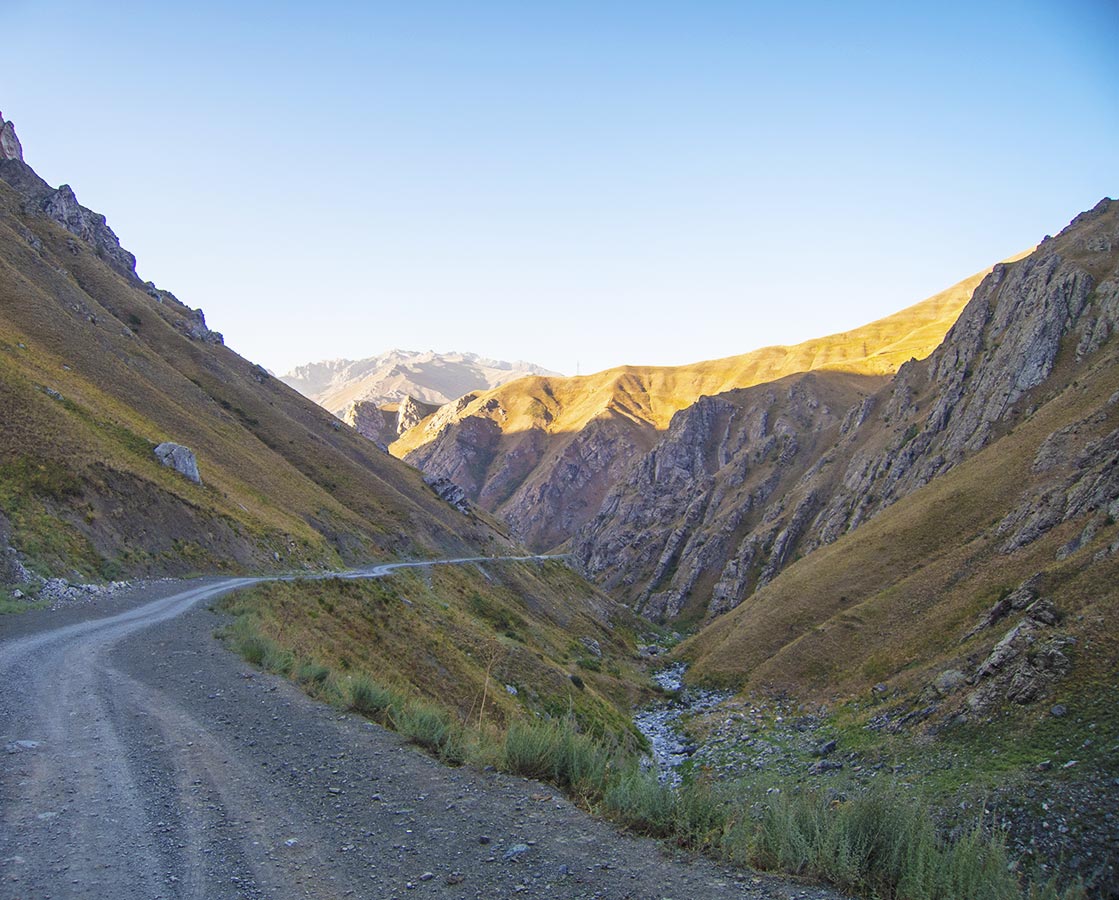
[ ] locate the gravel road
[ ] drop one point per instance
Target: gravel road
(140, 759)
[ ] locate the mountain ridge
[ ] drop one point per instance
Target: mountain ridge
(542, 453)
(392, 376)
(931, 415)
(98, 368)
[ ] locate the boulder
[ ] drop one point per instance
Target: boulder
(593, 647)
(949, 681)
(179, 458)
(450, 493)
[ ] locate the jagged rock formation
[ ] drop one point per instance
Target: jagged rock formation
(62, 206)
(410, 412)
(429, 378)
(543, 453)
(382, 423)
(9, 144)
(692, 517)
(370, 421)
(1060, 303)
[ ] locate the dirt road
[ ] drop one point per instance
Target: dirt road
(140, 759)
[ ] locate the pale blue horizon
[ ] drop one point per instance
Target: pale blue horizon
(651, 183)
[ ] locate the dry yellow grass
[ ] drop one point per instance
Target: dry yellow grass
(652, 394)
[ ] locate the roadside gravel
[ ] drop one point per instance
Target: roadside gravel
(140, 759)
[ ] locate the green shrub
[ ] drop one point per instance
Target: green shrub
(433, 728)
(554, 751)
(312, 673)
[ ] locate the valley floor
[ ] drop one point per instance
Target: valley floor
(145, 760)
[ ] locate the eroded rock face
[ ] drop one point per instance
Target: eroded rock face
(61, 205)
(695, 516)
(410, 413)
(179, 458)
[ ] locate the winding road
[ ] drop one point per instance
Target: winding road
(141, 759)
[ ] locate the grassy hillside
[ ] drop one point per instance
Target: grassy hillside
(96, 369)
(894, 600)
(490, 642)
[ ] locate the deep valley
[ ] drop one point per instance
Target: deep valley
(860, 592)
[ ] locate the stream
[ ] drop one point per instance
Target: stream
(661, 722)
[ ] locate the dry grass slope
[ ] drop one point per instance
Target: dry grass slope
(94, 373)
(892, 601)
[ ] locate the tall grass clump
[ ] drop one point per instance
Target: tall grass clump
(433, 728)
(880, 844)
(374, 700)
(554, 751)
(639, 800)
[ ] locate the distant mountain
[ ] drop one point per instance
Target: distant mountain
(430, 378)
(544, 452)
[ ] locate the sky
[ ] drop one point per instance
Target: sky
(579, 184)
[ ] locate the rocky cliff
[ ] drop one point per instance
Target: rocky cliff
(61, 206)
(543, 453)
(9, 144)
(382, 423)
(1050, 312)
(690, 528)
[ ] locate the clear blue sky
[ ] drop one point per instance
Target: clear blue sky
(571, 183)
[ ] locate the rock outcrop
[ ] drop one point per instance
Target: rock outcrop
(410, 413)
(449, 492)
(695, 516)
(9, 144)
(370, 421)
(62, 206)
(179, 458)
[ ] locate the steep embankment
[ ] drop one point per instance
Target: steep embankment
(97, 368)
(542, 453)
(668, 538)
(986, 482)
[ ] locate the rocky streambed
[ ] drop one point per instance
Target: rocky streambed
(662, 722)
